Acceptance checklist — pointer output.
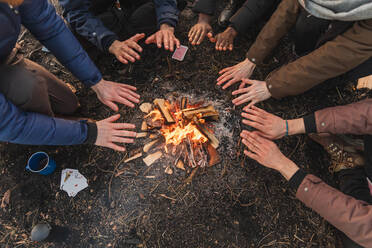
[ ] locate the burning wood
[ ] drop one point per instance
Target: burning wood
(164, 110)
(186, 136)
(150, 159)
(141, 135)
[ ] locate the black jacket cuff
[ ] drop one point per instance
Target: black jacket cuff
(205, 6)
(107, 42)
(297, 179)
(310, 124)
(92, 133)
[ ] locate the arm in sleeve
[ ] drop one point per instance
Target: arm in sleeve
(283, 19)
(351, 216)
(86, 24)
(334, 58)
(355, 118)
(31, 128)
(40, 18)
(167, 12)
(205, 7)
(250, 14)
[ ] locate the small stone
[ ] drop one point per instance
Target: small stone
(40, 232)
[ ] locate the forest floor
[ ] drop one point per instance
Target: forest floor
(237, 203)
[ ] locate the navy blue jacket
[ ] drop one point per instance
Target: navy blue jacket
(40, 18)
(86, 24)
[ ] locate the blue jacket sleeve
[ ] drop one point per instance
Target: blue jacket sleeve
(31, 128)
(83, 22)
(41, 19)
(167, 12)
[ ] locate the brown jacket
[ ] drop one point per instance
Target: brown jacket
(332, 59)
(351, 216)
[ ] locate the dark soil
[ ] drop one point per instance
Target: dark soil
(237, 203)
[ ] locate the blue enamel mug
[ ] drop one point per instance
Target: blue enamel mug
(41, 163)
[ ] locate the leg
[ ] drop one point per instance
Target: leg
(308, 30)
(143, 20)
(32, 88)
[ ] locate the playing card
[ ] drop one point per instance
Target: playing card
(72, 182)
(180, 53)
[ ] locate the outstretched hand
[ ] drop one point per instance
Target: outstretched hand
(268, 125)
(127, 50)
(236, 73)
(110, 92)
(267, 153)
(109, 133)
(256, 92)
(198, 32)
(165, 36)
(225, 40)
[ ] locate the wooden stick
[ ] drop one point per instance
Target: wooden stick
(150, 159)
(164, 110)
(141, 135)
(135, 156)
(212, 139)
(148, 146)
(214, 157)
(189, 113)
(144, 126)
(145, 107)
(184, 102)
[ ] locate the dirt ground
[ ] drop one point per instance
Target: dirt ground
(237, 203)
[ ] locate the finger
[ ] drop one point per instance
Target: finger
(124, 133)
(243, 99)
(166, 41)
(240, 91)
(128, 86)
(178, 43)
(253, 118)
(121, 139)
(255, 139)
(221, 80)
(253, 124)
(138, 37)
(159, 39)
(191, 33)
(132, 53)
(122, 60)
(231, 82)
(151, 39)
(128, 57)
(225, 70)
(226, 73)
(123, 100)
(120, 126)
(251, 155)
(129, 97)
(250, 105)
(251, 146)
(113, 118)
(111, 105)
(134, 45)
(171, 43)
(127, 91)
(196, 37)
(253, 111)
(116, 147)
(201, 38)
(231, 47)
(211, 38)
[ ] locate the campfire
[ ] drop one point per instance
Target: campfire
(180, 131)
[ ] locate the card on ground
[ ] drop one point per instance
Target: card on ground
(180, 53)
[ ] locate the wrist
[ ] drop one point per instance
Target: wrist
(250, 63)
(97, 86)
(231, 31)
(166, 26)
(296, 126)
(287, 168)
(204, 18)
(113, 46)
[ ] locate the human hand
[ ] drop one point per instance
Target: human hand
(164, 36)
(268, 125)
(110, 92)
(126, 50)
(109, 132)
(256, 92)
(267, 153)
(224, 40)
(236, 73)
(198, 32)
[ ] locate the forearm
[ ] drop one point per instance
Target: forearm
(334, 58)
(204, 18)
(283, 19)
(347, 214)
(166, 12)
(205, 7)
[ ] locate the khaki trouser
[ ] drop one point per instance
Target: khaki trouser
(32, 88)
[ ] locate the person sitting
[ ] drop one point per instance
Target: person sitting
(251, 12)
(31, 96)
(349, 210)
(334, 39)
(116, 26)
